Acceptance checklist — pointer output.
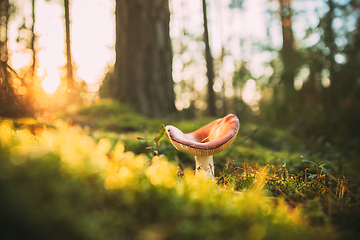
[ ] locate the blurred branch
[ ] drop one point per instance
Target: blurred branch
(10, 105)
(16, 74)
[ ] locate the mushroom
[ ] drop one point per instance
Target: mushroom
(206, 141)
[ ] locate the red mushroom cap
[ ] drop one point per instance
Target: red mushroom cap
(207, 140)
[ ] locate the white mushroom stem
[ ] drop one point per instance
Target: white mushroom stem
(205, 165)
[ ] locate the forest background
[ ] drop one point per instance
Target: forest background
(281, 64)
(289, 62)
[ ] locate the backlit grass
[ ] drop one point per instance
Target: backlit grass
(59, 181)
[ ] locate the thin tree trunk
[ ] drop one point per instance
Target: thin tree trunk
(32, 42)
(69, 66)
(143, 69)
(221, 60)
(209, 65)
(332, 94)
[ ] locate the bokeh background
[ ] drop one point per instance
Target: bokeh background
(288, 63)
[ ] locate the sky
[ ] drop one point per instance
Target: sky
(92, 37)
(251, 23)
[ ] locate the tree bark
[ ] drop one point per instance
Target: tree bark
(32, 42)
(9, 104)
(143, 69)
(69, 66)
(211, 98)
(287, 53)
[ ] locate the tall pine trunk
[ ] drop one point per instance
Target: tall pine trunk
(143, 69)
(69, 65)
(32, 42)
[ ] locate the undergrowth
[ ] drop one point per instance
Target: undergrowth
(60, 182)
(80, 179)
(318, 191)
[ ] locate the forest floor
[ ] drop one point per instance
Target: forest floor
(315, 177)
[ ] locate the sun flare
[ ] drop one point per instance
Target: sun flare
(92, 41)
(51, 83)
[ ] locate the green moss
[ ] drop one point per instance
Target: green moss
(110, 115)
(63, 190)
(72, 186)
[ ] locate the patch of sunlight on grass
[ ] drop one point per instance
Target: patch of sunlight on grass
(6, 131)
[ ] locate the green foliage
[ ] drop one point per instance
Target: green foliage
(318, 109)
(110, 115)
(318, 192)
(92, 183)
(60, 182)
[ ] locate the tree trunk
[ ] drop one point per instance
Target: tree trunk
(8, 101)
(209, 65)
(143, 69)
(9, 104)
(69, 66)
(287, 53)
(32, 42)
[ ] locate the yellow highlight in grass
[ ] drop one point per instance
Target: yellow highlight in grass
(6, 129)
(119, 150)
(125, 174)
(155, 180)
(26, 148)
(103, 147)
(161, 172)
